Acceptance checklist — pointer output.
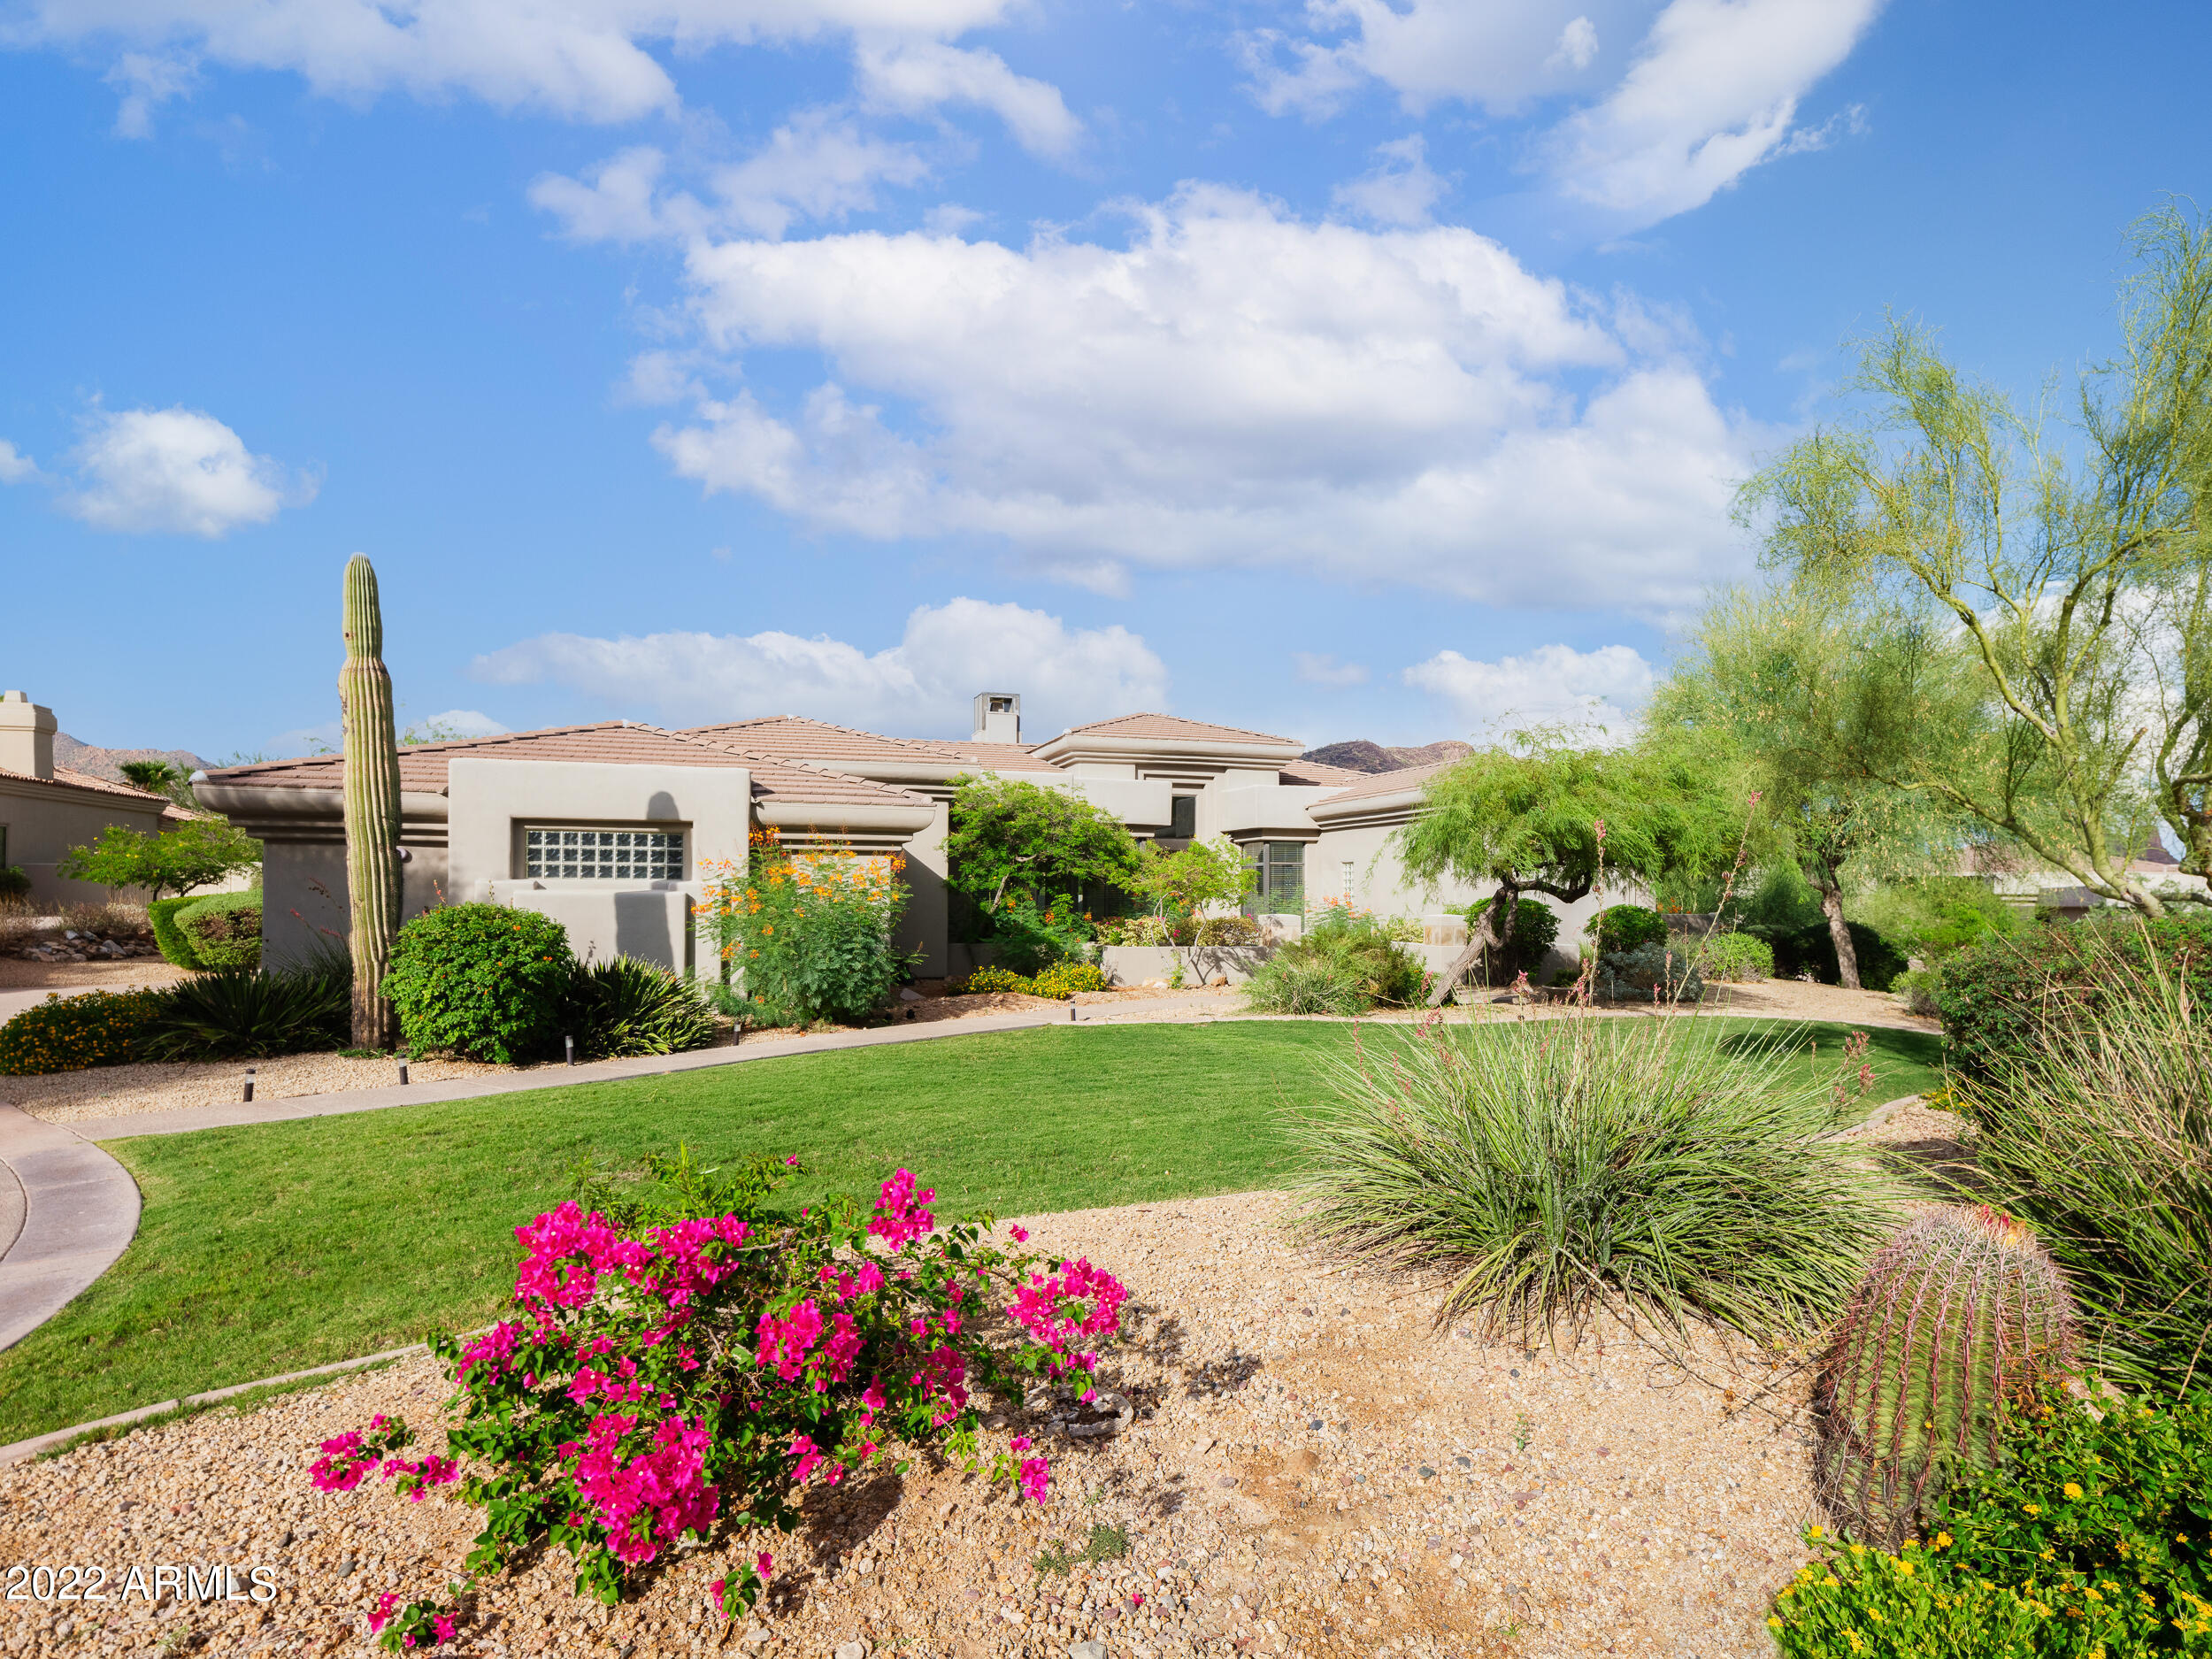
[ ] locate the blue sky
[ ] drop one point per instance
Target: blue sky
(1339, 369)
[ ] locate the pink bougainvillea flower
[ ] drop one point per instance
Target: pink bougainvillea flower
(383, 1614)
(1021, 1234)
(1036, 1476)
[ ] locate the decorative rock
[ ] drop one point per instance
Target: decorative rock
(1087, 1650)
(1120, 1415)
(852, 1650)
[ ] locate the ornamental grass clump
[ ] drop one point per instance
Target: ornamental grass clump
(665, 1381)
(2101, 1137)
(1562, 1167)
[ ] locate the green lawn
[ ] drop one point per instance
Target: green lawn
(272, 1248)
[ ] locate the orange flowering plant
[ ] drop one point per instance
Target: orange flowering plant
(811, 932)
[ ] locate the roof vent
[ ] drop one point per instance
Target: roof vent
(998, 717)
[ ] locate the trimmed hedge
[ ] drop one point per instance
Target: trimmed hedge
(1738, 958)
(481, 981)
(1620, 927)
(1997, 998)
(1535, 927)
(72, 1033)
(161, 915)
(223, 929)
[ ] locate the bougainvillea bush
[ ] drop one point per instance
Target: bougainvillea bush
(672, 1372)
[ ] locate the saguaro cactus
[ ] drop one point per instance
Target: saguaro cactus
(1962, 1314)
(371, 749)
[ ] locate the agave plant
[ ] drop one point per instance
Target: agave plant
(626, 1007)
(243, 1013)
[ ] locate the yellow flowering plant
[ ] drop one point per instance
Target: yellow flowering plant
(809, 936)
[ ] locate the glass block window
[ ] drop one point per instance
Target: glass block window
(604, 854)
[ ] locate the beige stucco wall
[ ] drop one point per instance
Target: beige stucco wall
(43, 823)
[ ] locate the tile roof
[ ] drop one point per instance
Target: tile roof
(1170, 726)
(795, 735)
(70, 778)
(1310, 772)
(999, 756)
(1374, 783)
(422, 766)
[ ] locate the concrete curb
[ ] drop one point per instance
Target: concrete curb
(76, 1211)
(16, 1452)
(187, 1119)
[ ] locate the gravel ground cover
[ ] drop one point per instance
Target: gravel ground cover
(1315, 1469)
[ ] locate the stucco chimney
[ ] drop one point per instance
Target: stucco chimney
(998, 717)
(27, 736)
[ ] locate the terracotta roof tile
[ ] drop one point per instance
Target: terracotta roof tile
(796, 736)
(999, 756)
(1308, 772)
(70, 778)
(422, 766)
(1373, 783)
(1170, 726)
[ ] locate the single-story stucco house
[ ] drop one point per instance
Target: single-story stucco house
(45, 809)
(611, 827)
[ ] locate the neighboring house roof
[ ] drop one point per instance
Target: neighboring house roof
(1172, 727)
(1310, 772)
(422, 766)
(1375, 783)
(70, 778)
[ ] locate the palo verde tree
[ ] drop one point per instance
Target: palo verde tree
(2047, 596)
(198, 852)
(1021, 839)
(1546, 816)
(371, 805)
(1815, 707)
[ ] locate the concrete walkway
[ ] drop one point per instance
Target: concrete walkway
(67, 1210)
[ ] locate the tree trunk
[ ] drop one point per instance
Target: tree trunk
(1831, 907)
(1493, 934)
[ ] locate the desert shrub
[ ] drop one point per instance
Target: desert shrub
(1650, 974)
(1061, 981)
(1999, 1000)
(1134, 930)
(2102, 1138)
(1563, 1166)
(15, 882)
(1916, 989)
(1225, 930)
(1736, 958)
(626, 1007)
(1031, 936)
(1931, 918)
(224, 928)
(71, 1033)
(169, 938)
(481, 981)
(2089, 1541)
(1812, 949)
(811, 933)
(1626, 926)
(694, 1372)
(1346, 963)
(1535, 928)
(242, 1013)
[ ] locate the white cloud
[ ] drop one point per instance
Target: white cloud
(584, 59)
(1496, 56)
(922, 685)
(817, 165)
(1714, 93)
(175, 469)
(1400, 189)
(455, 723)
(1553, 684)
(913, 77)
(1234, 387)
(1320, 668)
(15, 466)
(147, 81)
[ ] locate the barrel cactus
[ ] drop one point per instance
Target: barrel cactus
(1960, 1316)
(372, 750)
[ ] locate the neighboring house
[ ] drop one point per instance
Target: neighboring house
(638, 811)
(45, 809)
(2053, 892)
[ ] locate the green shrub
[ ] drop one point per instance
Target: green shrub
(1736, 958)
(1225, 930)
(70, 1034)
(480, 981)
(2102, 1139)
(224, 929)
(1135, 930)
(15, 882)
(811, 934)
(1812, 948)
(1916, 989)
(1999, 1000)
(1061, 981)
(1626, 927)
(242, 1013)
(1030, 936)
(1345, 964)
(625, 1007)
(1535, 928)
(2090, 1542)
(1650, 974)
(1930, 920)
(175, 948)
(1564, 1166)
